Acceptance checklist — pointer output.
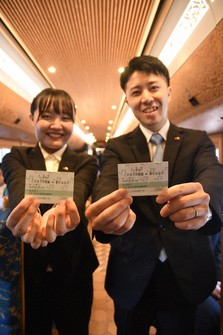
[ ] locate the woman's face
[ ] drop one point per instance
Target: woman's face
(52, 130)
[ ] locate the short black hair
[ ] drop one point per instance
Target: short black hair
(147, 64)
(59, 100)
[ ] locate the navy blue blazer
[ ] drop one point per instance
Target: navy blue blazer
(72, 256)
(191, 157)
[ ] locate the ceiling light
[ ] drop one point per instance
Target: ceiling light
(114, 107)
(52, 69)
(121, 69)
(87, 127)
(83, 121)
(110, 121)
(187, 23)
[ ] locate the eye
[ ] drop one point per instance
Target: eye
(46, 116)
(135, 93)
(154, 88)
(66, 117)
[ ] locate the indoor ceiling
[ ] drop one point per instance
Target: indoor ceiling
(88, 40)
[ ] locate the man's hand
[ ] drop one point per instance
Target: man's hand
(187, 205)
(112, 214)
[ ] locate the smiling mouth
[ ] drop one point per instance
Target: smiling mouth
(54, 135)
(150, 110)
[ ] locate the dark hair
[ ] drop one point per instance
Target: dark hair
(147, 64)
(59, 100)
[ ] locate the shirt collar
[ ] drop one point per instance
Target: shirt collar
(57, 154)
(162, 131)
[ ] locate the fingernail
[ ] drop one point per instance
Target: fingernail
(160, 198)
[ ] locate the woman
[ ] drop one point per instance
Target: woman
(58, 277)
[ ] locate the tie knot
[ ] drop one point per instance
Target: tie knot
(156, 139)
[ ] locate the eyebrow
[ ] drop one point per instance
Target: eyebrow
(134, 87)
(148, 83)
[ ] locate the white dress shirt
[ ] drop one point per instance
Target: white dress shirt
(52, 161)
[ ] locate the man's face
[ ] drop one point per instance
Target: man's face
(52, 130)
(148, 96)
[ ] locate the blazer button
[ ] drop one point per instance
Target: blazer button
(162, 227)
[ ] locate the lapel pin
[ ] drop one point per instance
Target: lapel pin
(177, 138)
(65, 168)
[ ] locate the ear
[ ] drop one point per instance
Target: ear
(169, 93)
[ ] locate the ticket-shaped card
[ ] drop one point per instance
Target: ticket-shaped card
(49, 187)
(142, 179)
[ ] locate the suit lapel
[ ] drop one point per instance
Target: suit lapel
(68, 160)
(174, 142)
(139, 146)
(36, 159)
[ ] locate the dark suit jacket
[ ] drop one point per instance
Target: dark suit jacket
(215, 241)
(191, 157)
(71, 256)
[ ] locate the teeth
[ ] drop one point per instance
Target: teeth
(149, 110)
(55, 135)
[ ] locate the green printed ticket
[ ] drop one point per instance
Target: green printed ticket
(49, 187)
(142, 179)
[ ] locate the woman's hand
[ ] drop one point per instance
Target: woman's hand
(60, 219)
(26, 221)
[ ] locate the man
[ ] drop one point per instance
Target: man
(146, 288)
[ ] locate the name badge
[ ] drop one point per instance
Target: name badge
(49, 187)
(142, 179)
